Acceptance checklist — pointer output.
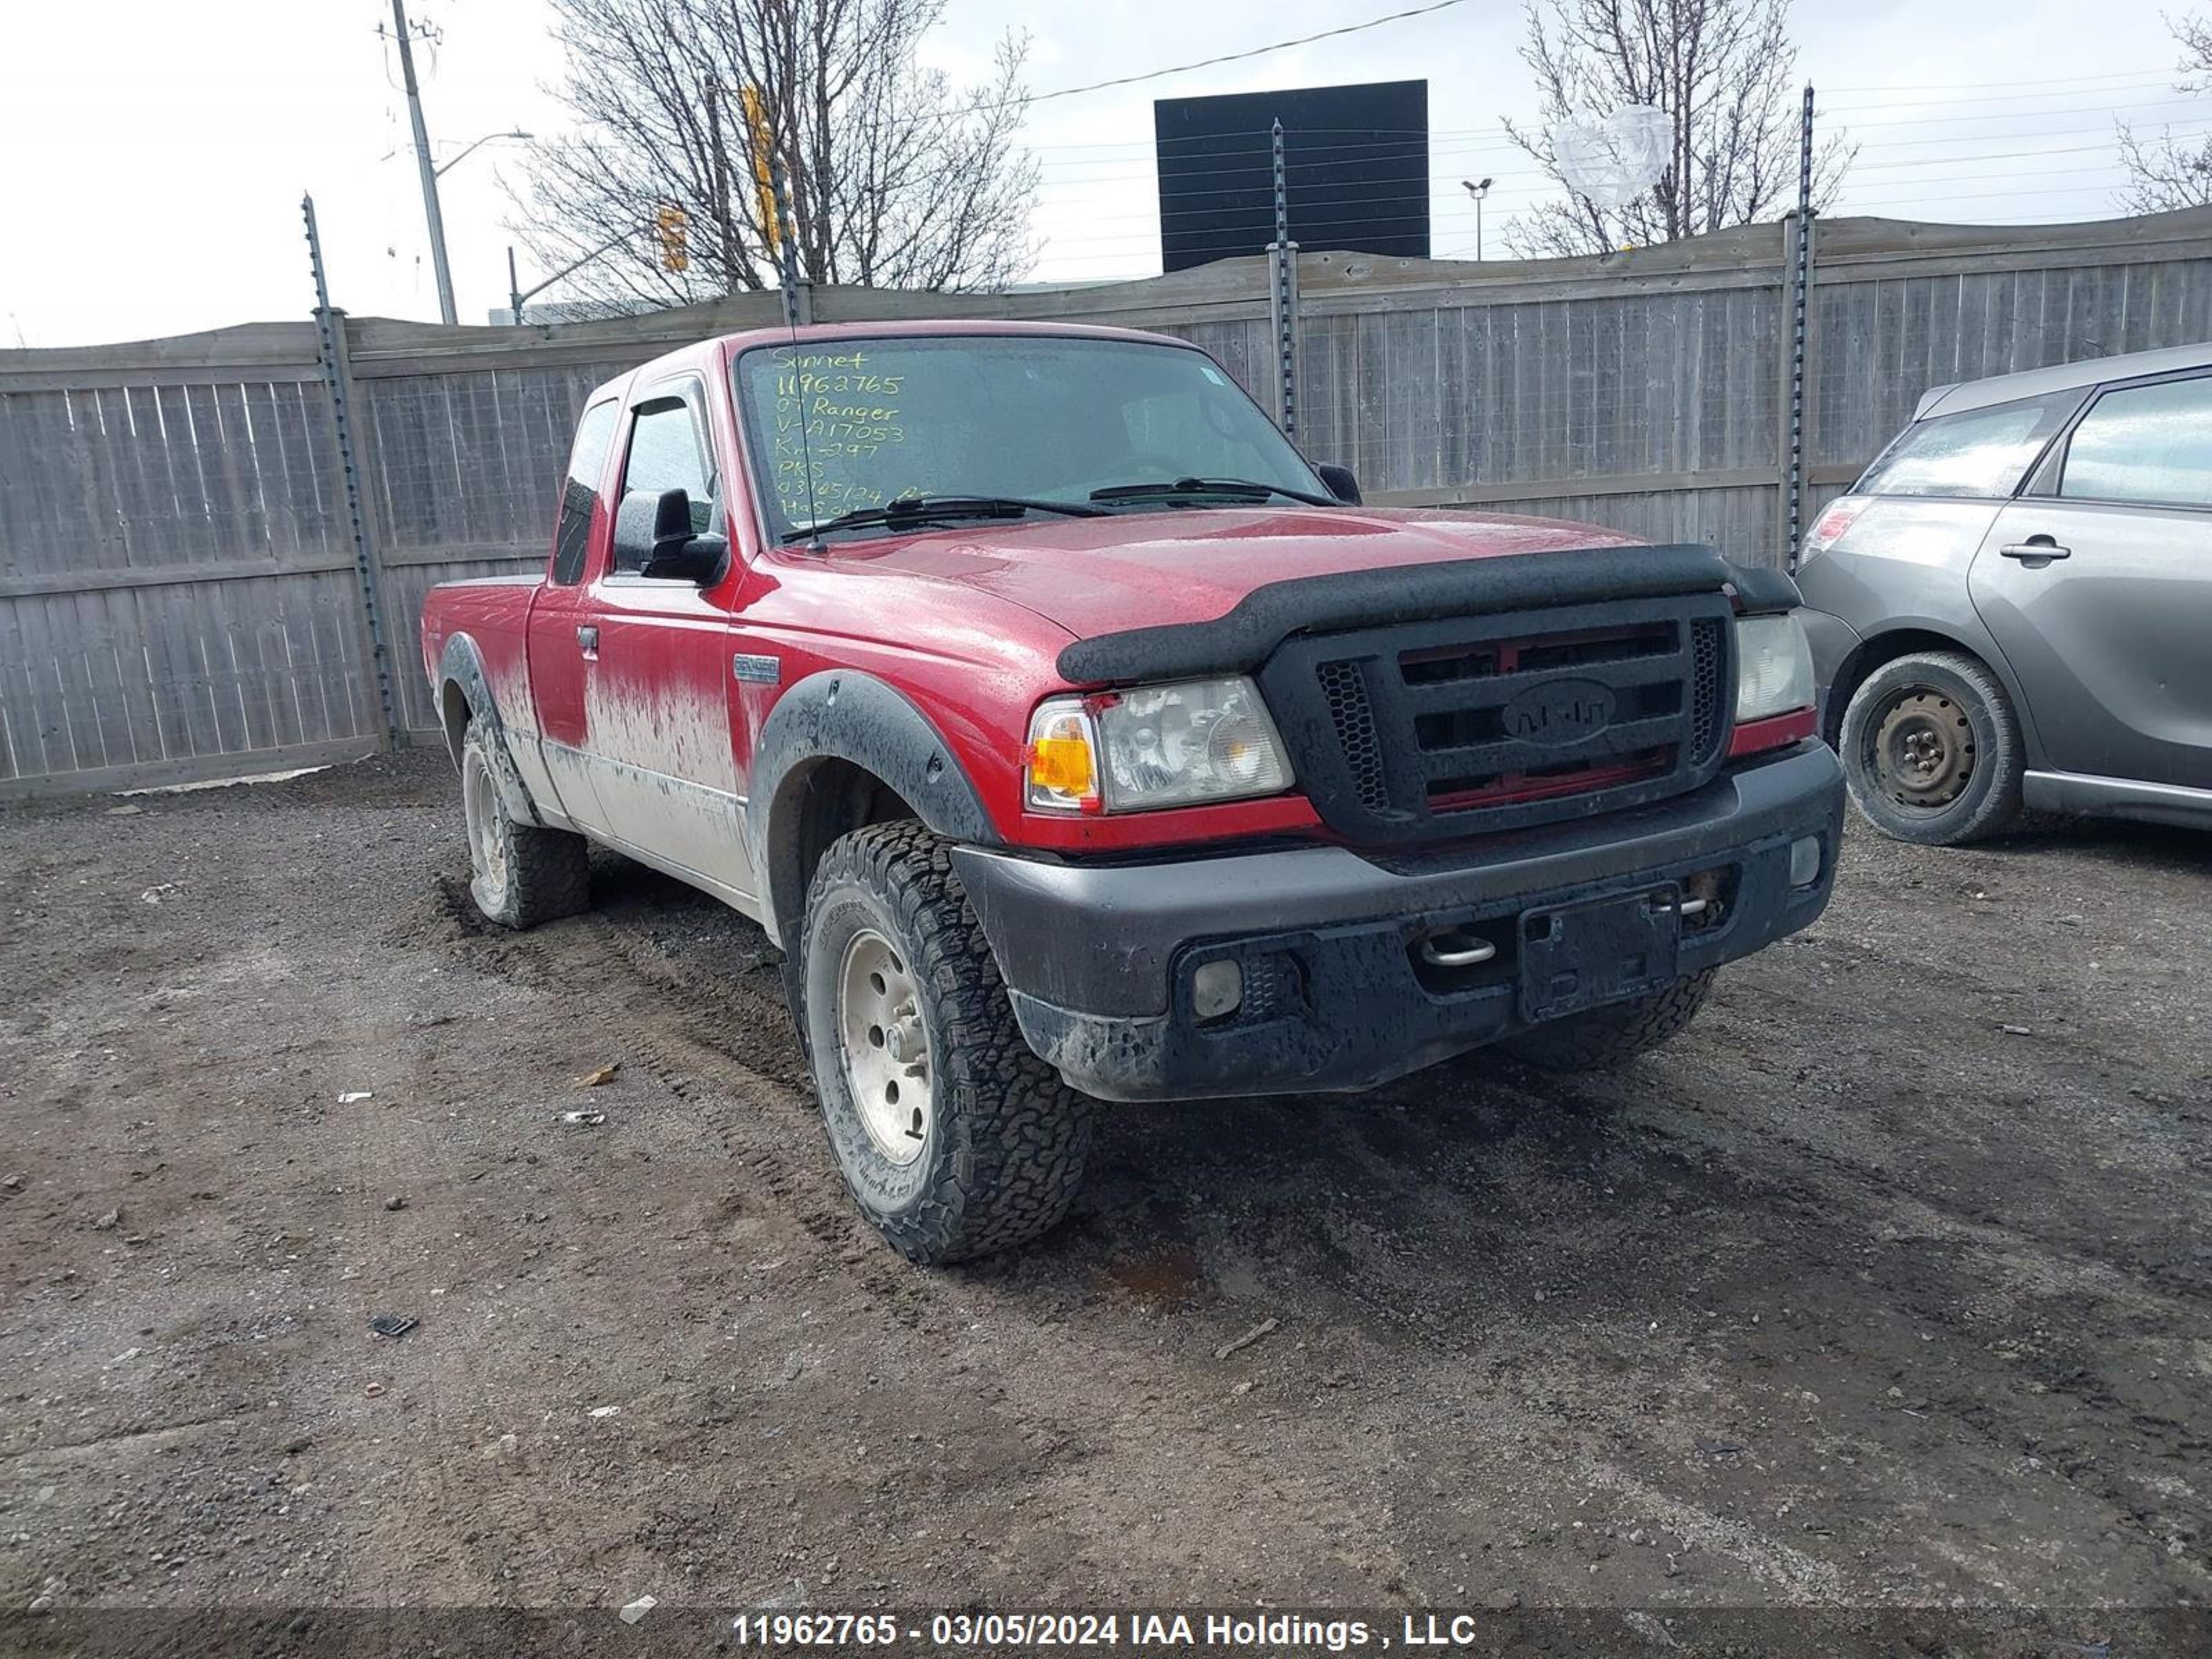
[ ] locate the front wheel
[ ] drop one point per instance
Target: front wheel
(1932, 750)
(1618, 1032)
(954, 1138)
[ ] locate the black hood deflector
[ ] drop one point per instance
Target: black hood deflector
(1247, 636)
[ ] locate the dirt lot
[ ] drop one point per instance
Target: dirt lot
(1888, 1285)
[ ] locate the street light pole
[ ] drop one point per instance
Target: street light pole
(445, 168)
(1478, 191)
(515, 296)
(422, 162)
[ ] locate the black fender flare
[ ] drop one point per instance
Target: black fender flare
(461, 667)
(839, 714)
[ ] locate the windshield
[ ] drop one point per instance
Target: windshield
(1035, 417)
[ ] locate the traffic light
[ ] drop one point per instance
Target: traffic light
(760, 143)
(674, 225)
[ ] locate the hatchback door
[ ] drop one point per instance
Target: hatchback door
(2097, 585)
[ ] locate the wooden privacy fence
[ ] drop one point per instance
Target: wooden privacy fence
(187, 589)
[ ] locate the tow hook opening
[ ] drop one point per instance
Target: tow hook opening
(1460, 955)
(1707, 898)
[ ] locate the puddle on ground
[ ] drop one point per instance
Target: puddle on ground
(1171, 1278)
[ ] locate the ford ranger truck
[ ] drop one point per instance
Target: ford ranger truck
(1077, 740)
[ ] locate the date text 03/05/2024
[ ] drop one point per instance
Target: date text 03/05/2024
(1334, 1632)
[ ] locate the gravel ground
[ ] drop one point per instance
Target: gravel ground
(1885, 1287)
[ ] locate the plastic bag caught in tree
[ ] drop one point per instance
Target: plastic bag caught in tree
(1613, 161)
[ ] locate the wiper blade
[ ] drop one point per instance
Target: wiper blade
(1246, 489)
(943, 509)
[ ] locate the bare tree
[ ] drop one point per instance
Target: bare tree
(896, 179)
(2166, 172)
(1723, 72)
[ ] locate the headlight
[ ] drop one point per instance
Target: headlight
(1773, 668)
(1159, 745)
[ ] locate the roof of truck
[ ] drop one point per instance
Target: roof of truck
(2062, 377)
(830, 331)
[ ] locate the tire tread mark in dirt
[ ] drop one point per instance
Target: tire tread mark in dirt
(2153, 1436)
(673, 1026)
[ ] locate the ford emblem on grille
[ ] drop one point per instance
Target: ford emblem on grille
(1559, 712)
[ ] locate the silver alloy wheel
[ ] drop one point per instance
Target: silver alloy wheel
(487, 848)
(885, 1046)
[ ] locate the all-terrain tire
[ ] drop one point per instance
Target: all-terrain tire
(1612, 1035)
(1967, 716)
(998, 1153)
(519, 875)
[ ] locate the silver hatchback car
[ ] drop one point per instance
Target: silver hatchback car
(2012, 610)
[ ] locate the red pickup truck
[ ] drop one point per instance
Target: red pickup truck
(1076, 739)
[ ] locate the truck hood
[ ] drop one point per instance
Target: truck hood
(1107, 575)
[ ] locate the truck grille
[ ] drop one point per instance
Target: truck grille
(1458, 726)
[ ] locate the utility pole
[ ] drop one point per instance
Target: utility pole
(422, 162)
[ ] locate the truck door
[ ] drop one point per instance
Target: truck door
(561, 629)
(2099, 589)
(658, 702)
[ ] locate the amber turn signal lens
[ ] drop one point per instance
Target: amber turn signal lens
(1061, 764)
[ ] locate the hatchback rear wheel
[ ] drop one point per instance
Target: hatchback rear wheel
(1932, 750)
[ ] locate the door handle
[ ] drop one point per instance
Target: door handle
(588, 638)
(2035, 549)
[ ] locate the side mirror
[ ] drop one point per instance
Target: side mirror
(1341, 485)
(653, 536)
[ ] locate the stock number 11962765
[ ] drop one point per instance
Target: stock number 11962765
(811, 1630)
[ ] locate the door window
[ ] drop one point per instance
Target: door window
(579, 491)
(2150, 445)
(668, 451)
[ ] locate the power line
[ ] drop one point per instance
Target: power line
(1447, 210)
(1479, 138)
(1337, 155)
(2028, 115)
(1442, 192)
(1229, 56)
(1970, 86)
(2144, 84)
(2067, 86)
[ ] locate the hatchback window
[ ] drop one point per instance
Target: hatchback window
(579, 491)
(1979, 452)
(2146, 444)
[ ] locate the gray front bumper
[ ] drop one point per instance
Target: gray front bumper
(1833, 642)
(1098, 956)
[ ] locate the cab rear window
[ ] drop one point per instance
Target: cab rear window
(579, 490)
(1979, 452)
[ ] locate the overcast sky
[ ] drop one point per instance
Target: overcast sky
(154, 150)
